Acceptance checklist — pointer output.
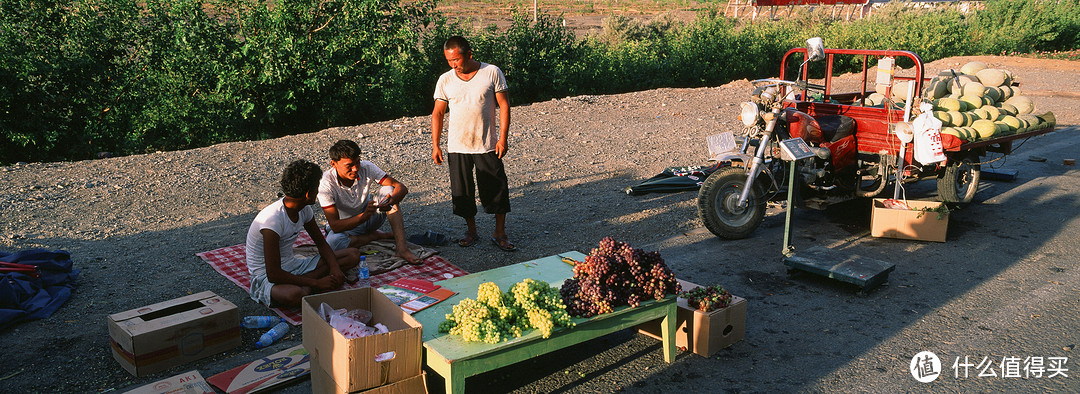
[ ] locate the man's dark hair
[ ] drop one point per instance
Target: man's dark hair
(300, 177)
(459, 43)
(343, 149)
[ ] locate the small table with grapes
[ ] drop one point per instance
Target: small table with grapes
(455, 359)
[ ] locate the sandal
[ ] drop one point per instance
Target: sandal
(468, 240)
(503, 243)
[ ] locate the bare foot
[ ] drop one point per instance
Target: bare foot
(409, 256)
(361, 240)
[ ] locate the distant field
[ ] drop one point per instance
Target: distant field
(583, 16)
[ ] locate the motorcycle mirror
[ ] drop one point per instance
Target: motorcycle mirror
(815, 49)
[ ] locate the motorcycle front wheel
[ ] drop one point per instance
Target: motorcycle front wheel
(718, 204)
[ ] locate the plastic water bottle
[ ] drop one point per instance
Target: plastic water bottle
(260, 321)
(274, 334)
(365, 275)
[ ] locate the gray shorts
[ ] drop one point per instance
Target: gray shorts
(339, 241)
(260, 286)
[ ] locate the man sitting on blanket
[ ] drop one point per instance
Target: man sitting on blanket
(345, 195)
(278, 278)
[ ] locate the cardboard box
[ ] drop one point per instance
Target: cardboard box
(156, 337)
(190, 382)
(321, 383)
(351, 362)
(914, 223)
(704, 333)
(265, 373)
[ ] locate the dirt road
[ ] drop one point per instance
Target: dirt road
(1003, 285)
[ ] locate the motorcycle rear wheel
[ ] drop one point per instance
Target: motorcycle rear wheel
(960, 180)
(717, 204)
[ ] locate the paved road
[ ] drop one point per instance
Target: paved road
(1001, 294)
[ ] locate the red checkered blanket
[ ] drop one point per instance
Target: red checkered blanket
(231, 262)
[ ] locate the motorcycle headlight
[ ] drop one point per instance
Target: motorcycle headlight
(749, 114)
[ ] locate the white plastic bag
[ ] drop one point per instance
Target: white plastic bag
(345, 322)
(928, 149)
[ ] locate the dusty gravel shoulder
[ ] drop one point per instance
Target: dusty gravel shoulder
(133, 224)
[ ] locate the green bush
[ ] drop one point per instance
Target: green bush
(78, 77)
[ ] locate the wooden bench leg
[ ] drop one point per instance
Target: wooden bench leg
(667, 331)
(455, 383)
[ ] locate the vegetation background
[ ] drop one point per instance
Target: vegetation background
(82, 77)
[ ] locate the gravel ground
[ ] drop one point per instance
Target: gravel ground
(133, 224)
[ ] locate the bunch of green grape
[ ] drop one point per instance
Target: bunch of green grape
(495, 316)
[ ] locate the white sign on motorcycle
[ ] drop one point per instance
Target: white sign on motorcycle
(721, 143)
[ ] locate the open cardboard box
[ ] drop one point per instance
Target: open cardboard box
(350, 362)
(156, 337)
(704, 333)
(321, 383)
(918, 223)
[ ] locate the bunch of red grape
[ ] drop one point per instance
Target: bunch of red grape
(615, 274)
(707, 299)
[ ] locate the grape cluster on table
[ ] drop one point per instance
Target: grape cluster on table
(615, 274)
(495, 316)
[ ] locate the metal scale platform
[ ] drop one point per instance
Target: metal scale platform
(864, 272)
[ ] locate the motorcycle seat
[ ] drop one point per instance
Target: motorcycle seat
(835, 127)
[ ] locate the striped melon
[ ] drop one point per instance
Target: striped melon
(959, 82)
(900, 90)
(1023, 104)
(944, 117)
(971, 101)
(1007, 109)
(974, 89)
(1031, 120)
(956, 118)
(984, 128)
(993, 112)
(973, 67)
(1011, 121)
(991, 76)
(981, 113)
(947, 104)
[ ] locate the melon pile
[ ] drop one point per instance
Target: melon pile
(977, 102)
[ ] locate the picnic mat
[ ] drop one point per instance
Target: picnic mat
(231, 261)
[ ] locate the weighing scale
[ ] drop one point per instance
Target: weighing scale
(864, 272)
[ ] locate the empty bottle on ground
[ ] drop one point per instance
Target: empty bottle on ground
(274, 334)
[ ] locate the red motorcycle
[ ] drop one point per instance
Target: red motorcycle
(854, 145)
(732, 200)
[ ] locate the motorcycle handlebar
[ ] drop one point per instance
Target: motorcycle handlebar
(804, 85)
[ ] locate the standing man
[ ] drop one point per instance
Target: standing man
(354, 219)
(475, 94)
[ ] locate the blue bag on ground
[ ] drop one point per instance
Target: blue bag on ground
(34, 295)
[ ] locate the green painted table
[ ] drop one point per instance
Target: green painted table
(455, 359)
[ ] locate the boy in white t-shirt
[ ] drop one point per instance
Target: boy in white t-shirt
(278, 277)
(354, 219)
